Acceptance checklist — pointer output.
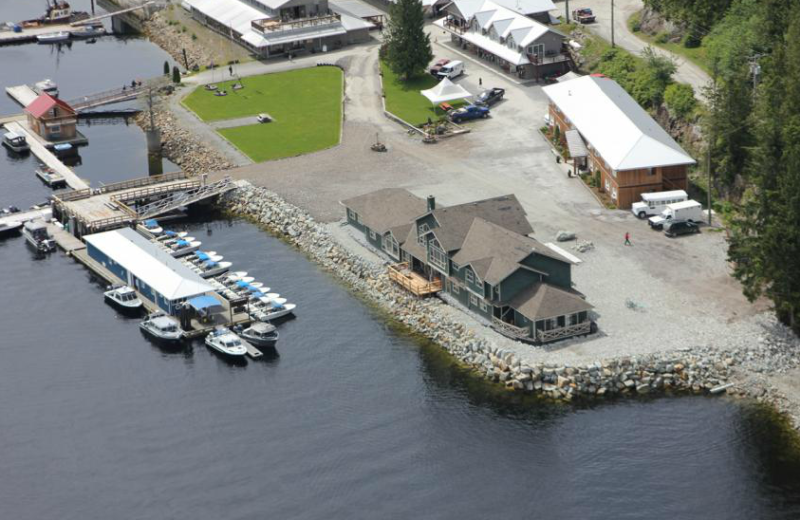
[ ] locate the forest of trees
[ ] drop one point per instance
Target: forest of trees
(752, 125)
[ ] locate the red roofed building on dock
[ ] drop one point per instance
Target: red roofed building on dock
(52, 118)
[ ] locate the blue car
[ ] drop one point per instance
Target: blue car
(468, 113)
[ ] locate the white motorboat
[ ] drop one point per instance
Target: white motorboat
(184, 247)
(35, 232)
(171, 235)
(226, 342)
(200, 257)
(151, 226)
(272, 309)
(9, 228)
(162, 328)
(88, 31)
(124, 298)
(53, 37)
(46, 86)
(260, 334)
(213, 268)
(169, 242)
(50, 177)
(16, 142)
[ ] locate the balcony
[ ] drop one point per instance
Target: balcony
(546, 60)
(413, 282)
(546, 336)
(512, 331)
(271, 26)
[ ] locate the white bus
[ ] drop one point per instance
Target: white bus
(655, 203)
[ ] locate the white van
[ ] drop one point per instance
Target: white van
(451, 70)
(655, 203)
(686, 211)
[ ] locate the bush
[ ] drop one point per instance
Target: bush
(166, 68)
(194, 36)
(635, 22)
(176, 75)
(662, 37)
(679, 98)
(597, 178)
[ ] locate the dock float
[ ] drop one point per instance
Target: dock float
(27, 35)
(26, 216)
(22, 94)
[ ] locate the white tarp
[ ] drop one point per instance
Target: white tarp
(446, 90)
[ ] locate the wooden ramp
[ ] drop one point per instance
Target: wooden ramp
(47, 157)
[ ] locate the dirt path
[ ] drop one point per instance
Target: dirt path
(687, 71)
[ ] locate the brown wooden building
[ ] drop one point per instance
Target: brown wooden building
(633, 154)
(52, 118)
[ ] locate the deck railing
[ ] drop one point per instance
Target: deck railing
(149, 191)
(141, 181)
(412, 282)
(546, 336)
(510, 330)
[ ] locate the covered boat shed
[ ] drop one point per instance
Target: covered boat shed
(143, 265)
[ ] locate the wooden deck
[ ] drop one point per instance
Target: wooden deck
(65, 240)
(413, 282)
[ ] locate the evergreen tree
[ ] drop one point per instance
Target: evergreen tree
(166, 68)
(176, 75)
(765, 239)
(408, 47)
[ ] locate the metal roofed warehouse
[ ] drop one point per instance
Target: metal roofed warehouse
(146, 267)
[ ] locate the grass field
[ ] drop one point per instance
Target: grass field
(404, 100)
(306, 107)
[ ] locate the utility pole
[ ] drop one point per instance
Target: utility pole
(612, 24)
(566, 9)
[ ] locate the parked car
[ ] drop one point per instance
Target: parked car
(468, 113)
(451, 70)
(438, 66)
(690, 210)
(584, 15)
(680, 227)
(263, 118)
(490, 97)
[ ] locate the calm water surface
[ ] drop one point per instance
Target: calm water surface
(351, 420)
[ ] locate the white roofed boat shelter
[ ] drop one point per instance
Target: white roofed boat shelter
(445, 91)
(146, 267)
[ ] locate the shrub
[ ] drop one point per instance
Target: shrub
(679, 98)
(662, 37)
(166, 68)
(635, 22)
(597, 178)
(194, 36)
(176, 75)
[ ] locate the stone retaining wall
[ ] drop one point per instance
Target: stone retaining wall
(685, 370)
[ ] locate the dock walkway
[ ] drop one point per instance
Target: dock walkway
(22, 94)
(25, 216)
(65, 240)
(47, 157)
(30, 34)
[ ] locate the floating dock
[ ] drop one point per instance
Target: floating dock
(25, 216)
(27, 35)
(46, 156)
(22, 94)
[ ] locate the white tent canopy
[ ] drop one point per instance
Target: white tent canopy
(446, 90)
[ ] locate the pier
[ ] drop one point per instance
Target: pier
(27, 35)
(25, 216)
(25, 94)
(22, 94)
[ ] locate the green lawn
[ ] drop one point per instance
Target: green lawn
(306, 107)
(404, 100)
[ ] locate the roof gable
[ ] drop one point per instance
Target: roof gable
(384, 209)
(45, 102)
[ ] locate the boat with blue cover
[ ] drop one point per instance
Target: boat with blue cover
(151, 226)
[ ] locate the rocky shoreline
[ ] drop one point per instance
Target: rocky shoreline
(699, 370)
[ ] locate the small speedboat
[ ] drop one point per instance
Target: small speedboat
(183, 247)
(46, 86)
(272, 309)
(50, 177)
(54, 37)
(213, 268)
(9, 228)
(36, 234)
(171, 235)
(15, 142)
(151, 226)
(226, 342)
(124, 298)
(260, 334)
(162, 328)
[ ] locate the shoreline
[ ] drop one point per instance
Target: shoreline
(690, 370)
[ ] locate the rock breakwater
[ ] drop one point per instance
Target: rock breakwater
(699, 370)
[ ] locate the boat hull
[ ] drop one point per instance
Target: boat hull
(261, 343)
(159, 339)
(226, 352)
(124, 309)
(17, 148)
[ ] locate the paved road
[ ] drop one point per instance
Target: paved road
(687, 71)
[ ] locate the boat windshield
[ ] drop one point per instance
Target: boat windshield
(232, 342)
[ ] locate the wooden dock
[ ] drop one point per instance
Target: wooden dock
(22, 94)
(46, 156)
(30, 34)
(65, 240)
(25, 216)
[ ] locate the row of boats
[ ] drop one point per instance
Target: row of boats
(263, 306)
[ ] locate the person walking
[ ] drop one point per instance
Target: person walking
(480, 82)
(628, 239)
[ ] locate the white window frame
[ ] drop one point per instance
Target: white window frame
(352, 214)
(421, 232)
(483, 306)
(469, 276)
(454, 288)
(372, 235)
(473, 300)
(390, 245)
(437, 256)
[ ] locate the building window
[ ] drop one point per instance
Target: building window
(455, 266)
(390, 245)
(651, 171)
(473, 300)
(351, 214)
(483, 306)
(469, 276)
(55, 129)
(421, 230)
(372, 234)
(437, 256)
(358, 218)
(614, 194)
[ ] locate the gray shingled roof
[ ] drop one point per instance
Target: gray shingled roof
(495, 252)
(542, 301)
(455, 221)
(387, 208)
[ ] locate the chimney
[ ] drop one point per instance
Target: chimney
(431, 203)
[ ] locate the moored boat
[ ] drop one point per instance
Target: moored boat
(124, 298)
(213, 268)
(88, 31)
(9, 228)
(36, 234)
(51, 177)
(151, 226)
(171, 235)
(272, 309)
(16, 142)
(260, 334)
(162, 328)
(53, 37)
(224, 341)
(183, 247)
(46, 86)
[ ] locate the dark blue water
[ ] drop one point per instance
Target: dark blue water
(352, 420)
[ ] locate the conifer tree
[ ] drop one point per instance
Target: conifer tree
(408, 46)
